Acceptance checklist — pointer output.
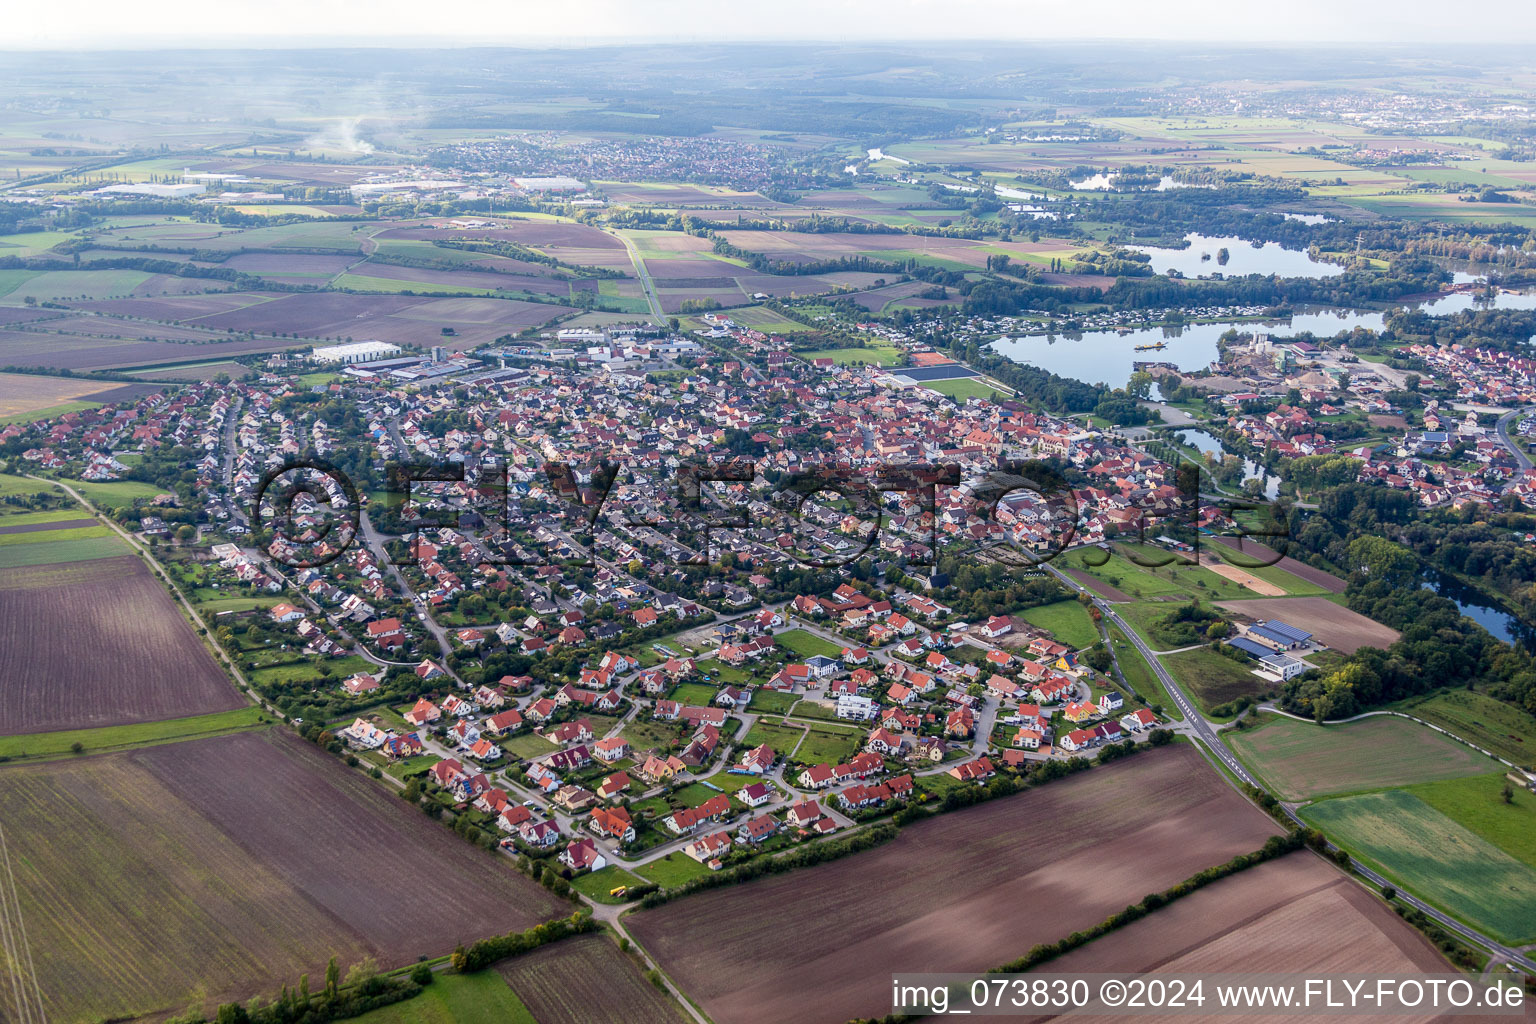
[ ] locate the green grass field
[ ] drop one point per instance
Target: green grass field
(693, 693)
(31, 518)
(51, 552)
(595, 885)
(772, 702)
(874, 355)
(456, 999)
(1479, 718)
(1303, 761)
(1476, 802)
(962, 388)
(72, 533)
(1213, 678)
(807, 644)
(673, 869)
(42, 746)
(113, 493)
(1067, 621)
(1435, 858)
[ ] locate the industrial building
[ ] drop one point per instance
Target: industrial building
(355, 352)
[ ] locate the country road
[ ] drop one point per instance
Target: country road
(1207, 734)
(1502, 429)
(645, 278)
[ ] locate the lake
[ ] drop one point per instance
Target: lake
(1108, 357)
(1244, 258)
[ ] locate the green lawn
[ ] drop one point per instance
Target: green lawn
(1304, 761)
(49, 413)
(782, 738)
(1478, 718)
(772, 702)
(673, 869)
(33, 518)
(1067, 621)
(456, 999)
(1213, 678)
(595, 884)
(829, 744)
(693, 693)
(1435, 858)
(807, 644)
(648, 734)
(237, 604)
(41, 746)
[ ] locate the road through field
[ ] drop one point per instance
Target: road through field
(645, 278)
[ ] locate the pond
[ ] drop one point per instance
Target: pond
(1109, 357)
(1207, 443)
(1476, 606)
(1202, 259)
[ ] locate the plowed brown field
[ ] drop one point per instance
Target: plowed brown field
(226, 867)
(962, 892)
(99, 643)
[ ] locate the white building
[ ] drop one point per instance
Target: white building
(851, 705)
(356, 352)
(556, 183)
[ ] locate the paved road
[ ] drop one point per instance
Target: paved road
(1502, 429)
(1207, 734)
(645, 278)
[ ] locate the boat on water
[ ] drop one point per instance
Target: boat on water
(1150, 348)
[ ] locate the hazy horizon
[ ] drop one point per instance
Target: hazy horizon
(182, 24)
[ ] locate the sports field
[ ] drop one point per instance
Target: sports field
(1303, 761)
(1435, 858)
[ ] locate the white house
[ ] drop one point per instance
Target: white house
(851, 705)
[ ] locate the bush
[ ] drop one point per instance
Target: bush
(421, 974)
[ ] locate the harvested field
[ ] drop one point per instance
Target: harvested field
(24, 392)
(91, 643)
(587, 980)
(183, 878)
(1329, 623)
(1295, 914)
(963, 892)
(1240, 576)
(1303, 761)
(1260, 554)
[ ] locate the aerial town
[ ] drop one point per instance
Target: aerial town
(502, 567)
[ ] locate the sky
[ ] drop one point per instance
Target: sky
(113, 24)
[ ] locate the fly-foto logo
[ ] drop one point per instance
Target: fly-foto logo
(312, 511)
